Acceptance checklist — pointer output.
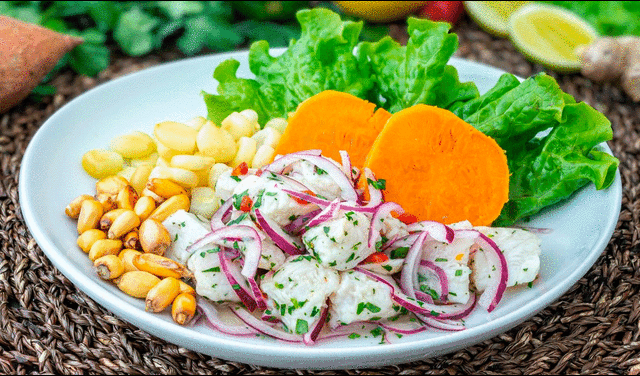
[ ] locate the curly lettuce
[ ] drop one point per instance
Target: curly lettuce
(322, 59)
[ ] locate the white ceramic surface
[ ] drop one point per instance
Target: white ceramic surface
(51, 176)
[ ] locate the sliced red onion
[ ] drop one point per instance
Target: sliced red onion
(381, 212)
(423, 297)
(346, 164)
(283, 240)
(399, 330)
(218, 235)
(348, 191)
(309, 338)
(326, 214)
(411, 262)
(213, 319)
(499, 271)
(263, 327)
(297, 226)
(442, 278)
(291, 182)
(375, 194)
(437, 230)
(536, 230)
(323, 203)
(257, 293)
(446, 325)
(232, 273)
(419, 308)
(220, 216)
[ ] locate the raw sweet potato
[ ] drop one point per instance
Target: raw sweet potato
(27, 53)
(440, 168)
(334, 121)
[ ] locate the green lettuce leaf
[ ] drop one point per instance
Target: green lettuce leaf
(417, 73)
(549, 140)
(322, 59)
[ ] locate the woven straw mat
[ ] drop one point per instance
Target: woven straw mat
(47, 325)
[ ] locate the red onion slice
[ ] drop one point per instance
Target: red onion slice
(346, 164)
(213, 319)
(323, 203)
(375, 194)
(411, 262)
(297, 226)
(284, 241)
(263, 327)
(232, 273)
(499, 271)
(381, 212)
(399, 330)
(220, 216)
(310, 337)
(348, 191)
(326, 214)
(437, 230)
(442, 278)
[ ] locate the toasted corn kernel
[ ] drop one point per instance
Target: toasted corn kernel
(127, 198)
(136, 283)
(165, 187)
(104, 247)
(186, 289)
(73, 209)
(107, 218)
(127, 172)
(172, 205)
(109, 267)
(144, 207)
(132, 240)
(90, 213)
(160, 266)
(111, 185)
(123, 224)
(183, 308)
(87, 238)
(155, 197)
(126, 256)
(162, 294)
(108, 202)
(154, 237)
(140, 177)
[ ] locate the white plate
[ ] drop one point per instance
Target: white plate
(51, 176)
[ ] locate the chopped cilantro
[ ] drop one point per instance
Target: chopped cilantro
(237, 199)
(238, 220)
(235, 286)
(353, 255)
(212, 270)
(458, 273)
(399, 252)
(354, 335)
(258, 202)
(236, 178)
(378, 184)
(279, 285)
(441, 260)
(387, 267)
(314, 311)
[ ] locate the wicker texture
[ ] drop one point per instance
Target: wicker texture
(47, 325)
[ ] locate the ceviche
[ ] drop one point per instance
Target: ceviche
(294, 248)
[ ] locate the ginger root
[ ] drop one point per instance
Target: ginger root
(610, 59)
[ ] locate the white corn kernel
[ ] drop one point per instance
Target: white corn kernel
(203, 202)
(250, 115)
(133, 145)
(196, 123)
(101, 163)
(268, 136)
(192, 162)
(140, 176)
(215, 172)
(278, 124)
(176, 136)
(127, 172)
(165, 152)
(264, 156)
(185, 178)
(148, 160)
(216, 143)
(238, 125)
(246, 151)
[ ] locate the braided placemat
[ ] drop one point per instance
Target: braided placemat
(47, 325)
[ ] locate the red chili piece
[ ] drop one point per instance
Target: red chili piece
(407, 218)
(242, 169)
(376, 258)
(246, 204)
(301, 201)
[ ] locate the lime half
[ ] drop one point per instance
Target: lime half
(549, 35)
(493, 16)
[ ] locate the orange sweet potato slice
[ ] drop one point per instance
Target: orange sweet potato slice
(334, 121)
(28, 52)
(440, 168)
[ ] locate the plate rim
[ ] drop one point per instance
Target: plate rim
(184, 336)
